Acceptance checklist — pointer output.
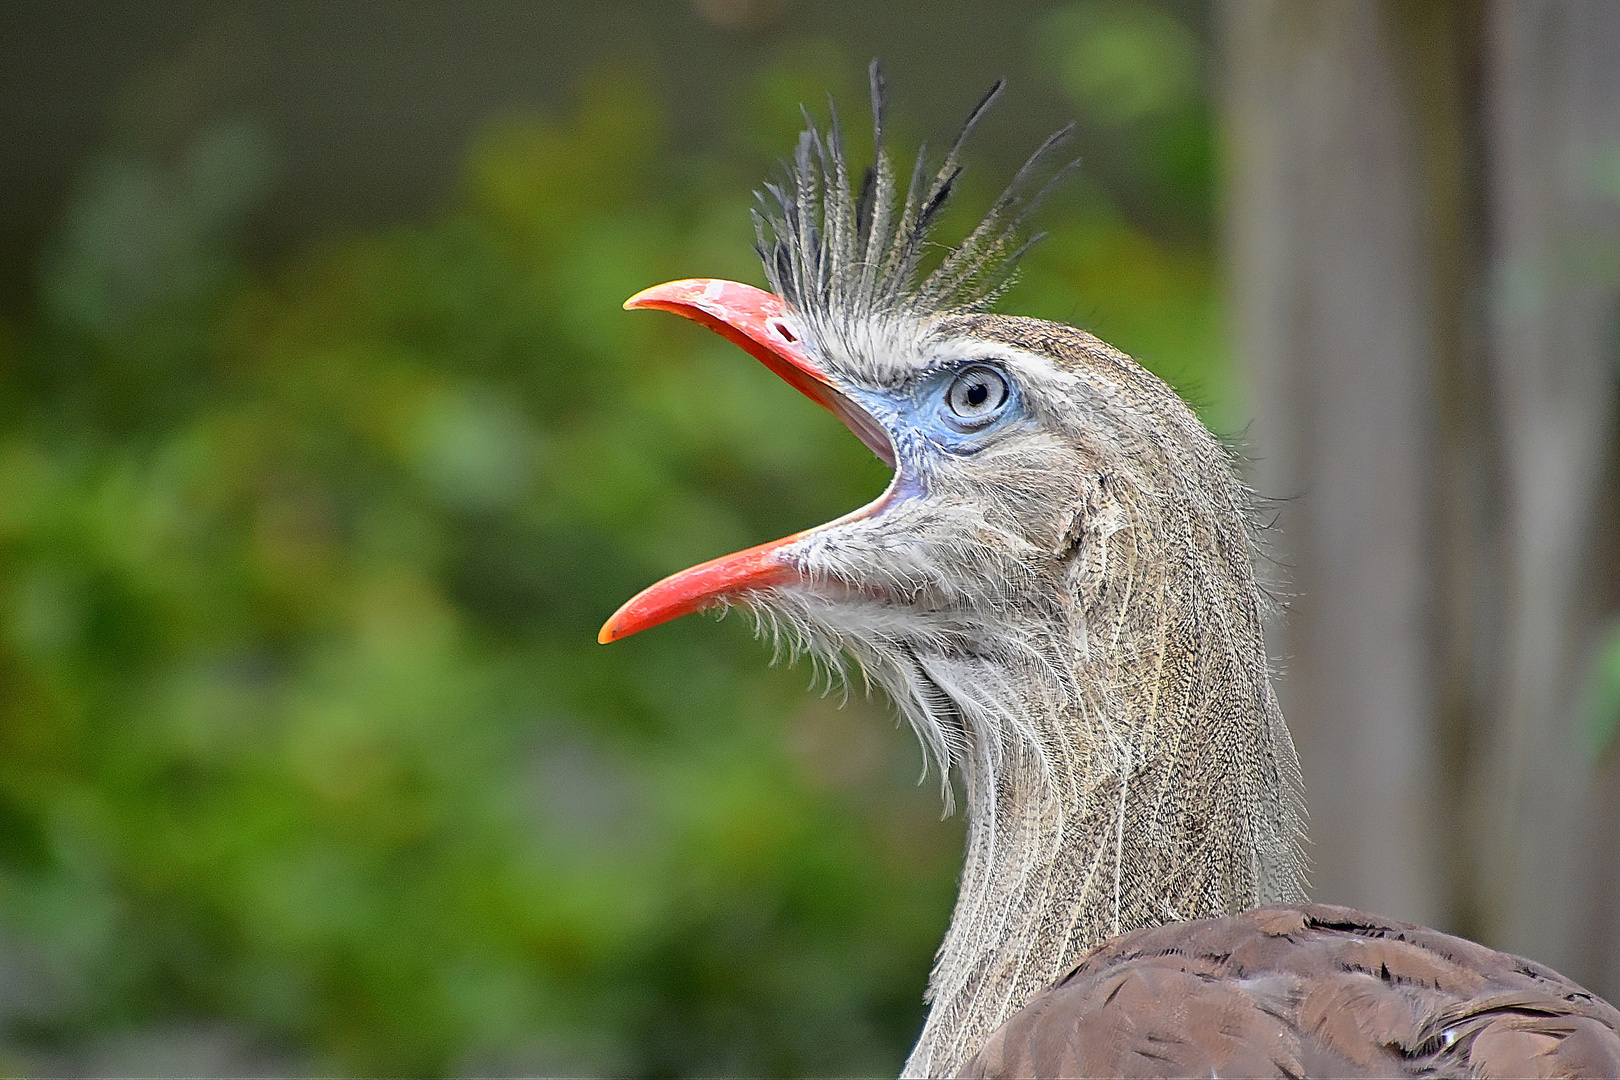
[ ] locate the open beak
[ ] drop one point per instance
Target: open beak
(756, 320)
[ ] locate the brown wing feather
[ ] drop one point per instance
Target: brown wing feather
(1312, 990)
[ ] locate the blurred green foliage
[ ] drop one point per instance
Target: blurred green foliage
(1134, 73)
(304, 731)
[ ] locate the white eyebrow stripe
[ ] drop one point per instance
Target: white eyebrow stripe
(1037, 368)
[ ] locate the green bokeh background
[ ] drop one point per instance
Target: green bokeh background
(305, 740)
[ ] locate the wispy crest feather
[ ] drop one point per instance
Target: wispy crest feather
(838, 256)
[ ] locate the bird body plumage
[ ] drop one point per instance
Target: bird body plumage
(1062, 601)
(1313, 990)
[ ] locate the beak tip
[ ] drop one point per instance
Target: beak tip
(639, 300)
(662, 296)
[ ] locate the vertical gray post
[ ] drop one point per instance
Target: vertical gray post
(1424, 239)
(1332, 317)
(1553, 127)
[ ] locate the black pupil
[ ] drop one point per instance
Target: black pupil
(978, 393)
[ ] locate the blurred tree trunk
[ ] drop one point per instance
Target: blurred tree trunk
(1422, 262)
(1553, 109)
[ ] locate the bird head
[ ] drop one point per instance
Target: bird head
(1058, 523)
(1056, 588)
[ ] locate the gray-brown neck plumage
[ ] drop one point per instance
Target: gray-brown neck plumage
(1069, 617)
(1167, 809)
(1160, 783)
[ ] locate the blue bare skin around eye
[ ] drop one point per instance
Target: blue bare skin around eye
(915, 420)
(920, 410)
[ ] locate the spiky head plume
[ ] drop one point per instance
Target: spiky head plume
(839, 257)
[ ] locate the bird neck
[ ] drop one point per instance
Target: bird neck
(1162, 787)
(1045, 880)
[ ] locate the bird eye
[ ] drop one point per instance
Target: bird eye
(976, 395)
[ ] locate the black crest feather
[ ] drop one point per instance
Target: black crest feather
(836, 255)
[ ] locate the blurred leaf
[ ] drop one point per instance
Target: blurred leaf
(1120, 60)
(141, 234)
(1600, 718)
